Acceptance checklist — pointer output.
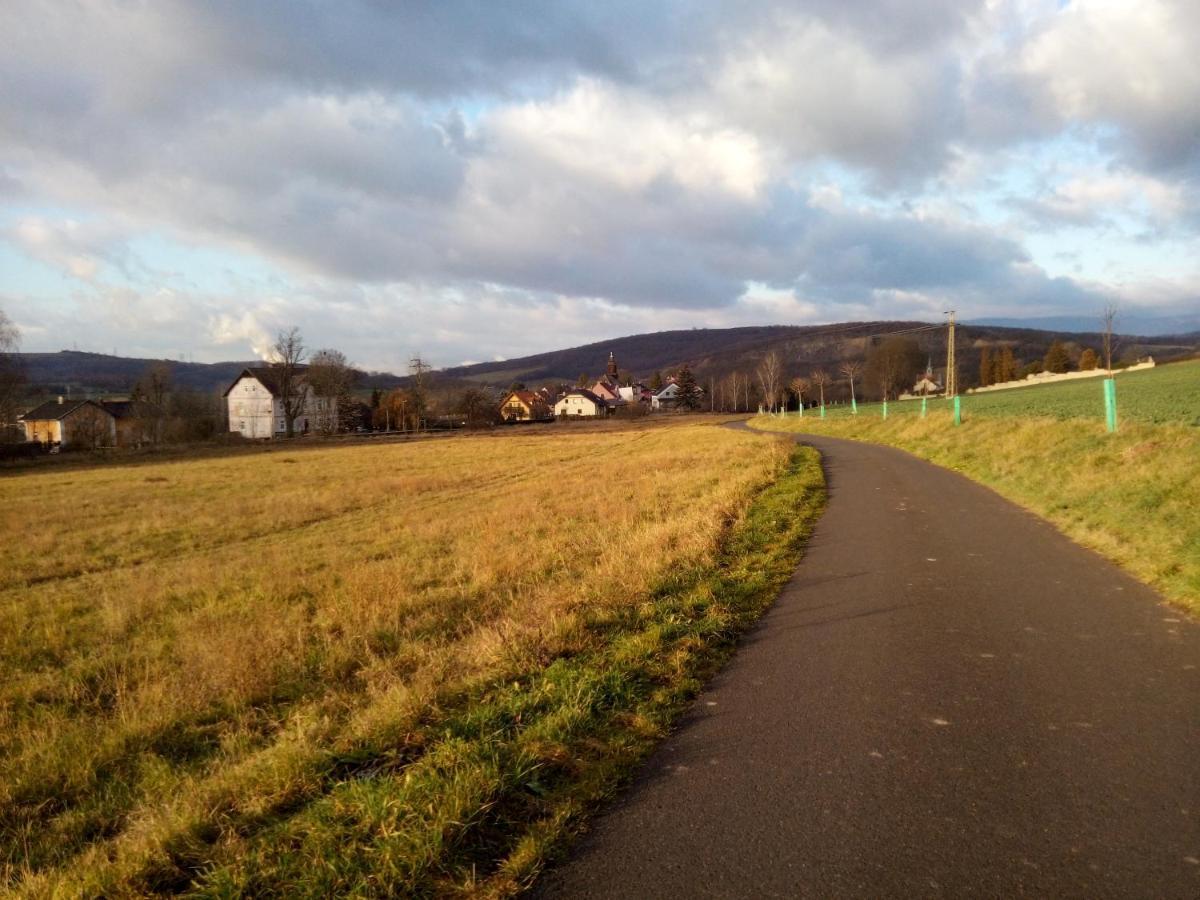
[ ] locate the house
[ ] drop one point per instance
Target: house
(256, 405)
(580, 402)
(525, 406)
(90, 423)
(608, 386)
(607, 391)
(927, 384)
(666, 398)
(71, 423)
(636, 393)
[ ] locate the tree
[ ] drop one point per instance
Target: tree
(331, 379)
(582, 381)
(12, 376)
(516, 386)
(851, 369)
(820, 379)
(1108, 318)
(799, 387)
(986, 370)
(90, 427)
(1088, 360)
(893, 363)
(395, 410)
(1056, 360)
(656, 382)
(689, 392)
(476, 407)
(152, 399)
(1004, 367)
(770, 378)
(288, 363)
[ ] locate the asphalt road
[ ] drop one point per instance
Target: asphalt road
(948, 699)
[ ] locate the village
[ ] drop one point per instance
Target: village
(290, 398)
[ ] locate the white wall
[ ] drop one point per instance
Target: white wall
(576, 406)
(253, 412)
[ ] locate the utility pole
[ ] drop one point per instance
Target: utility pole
(951, 365)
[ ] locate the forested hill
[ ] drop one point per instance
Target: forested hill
(711, 352)
(71, 370)
(714, 352)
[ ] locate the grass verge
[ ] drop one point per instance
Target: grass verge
(1132, 496)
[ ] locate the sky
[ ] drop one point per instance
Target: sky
(472, 180)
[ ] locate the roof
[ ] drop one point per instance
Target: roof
(267, 376)
(124, 409)
(584, 392)
(529, 398)
(52, 410)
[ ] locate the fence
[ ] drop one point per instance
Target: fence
(1165, 394)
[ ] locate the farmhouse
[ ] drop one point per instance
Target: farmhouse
(89, 423)
(256, 404)
(666, 398)
(580, 402)
(525, 406)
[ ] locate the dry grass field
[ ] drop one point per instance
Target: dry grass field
(374, 669)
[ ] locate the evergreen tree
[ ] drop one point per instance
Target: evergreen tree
(1056, 359)
(583, 380)
(985, 367)
(689, 392)
(1088, 360)
(656, 383)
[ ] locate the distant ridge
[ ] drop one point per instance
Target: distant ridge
(711, 352)
(714, 352)
(1127, 323)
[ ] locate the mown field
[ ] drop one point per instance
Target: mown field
(1133, 496)
(1166, 395)
(368, 670)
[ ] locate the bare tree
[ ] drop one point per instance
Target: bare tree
(155, 384)
(770, 375)
(799, 387)
(477, 407)
(729, 387)
(851, 369)
(1109, 319)
(331, 377)
(12, 375)
(820, 378)
(90, 427)
(152, 396)
(893, 363)
(288, 363)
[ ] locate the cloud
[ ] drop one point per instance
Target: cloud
(465, 176)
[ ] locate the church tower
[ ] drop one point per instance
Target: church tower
(612, 366)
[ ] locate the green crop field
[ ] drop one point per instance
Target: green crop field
(1165, 395)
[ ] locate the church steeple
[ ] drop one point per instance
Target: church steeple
(612, 365)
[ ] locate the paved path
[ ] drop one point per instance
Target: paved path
(948, 699)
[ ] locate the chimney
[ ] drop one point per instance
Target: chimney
(60, 399)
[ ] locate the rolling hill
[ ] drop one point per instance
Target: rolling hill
(711, 352)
